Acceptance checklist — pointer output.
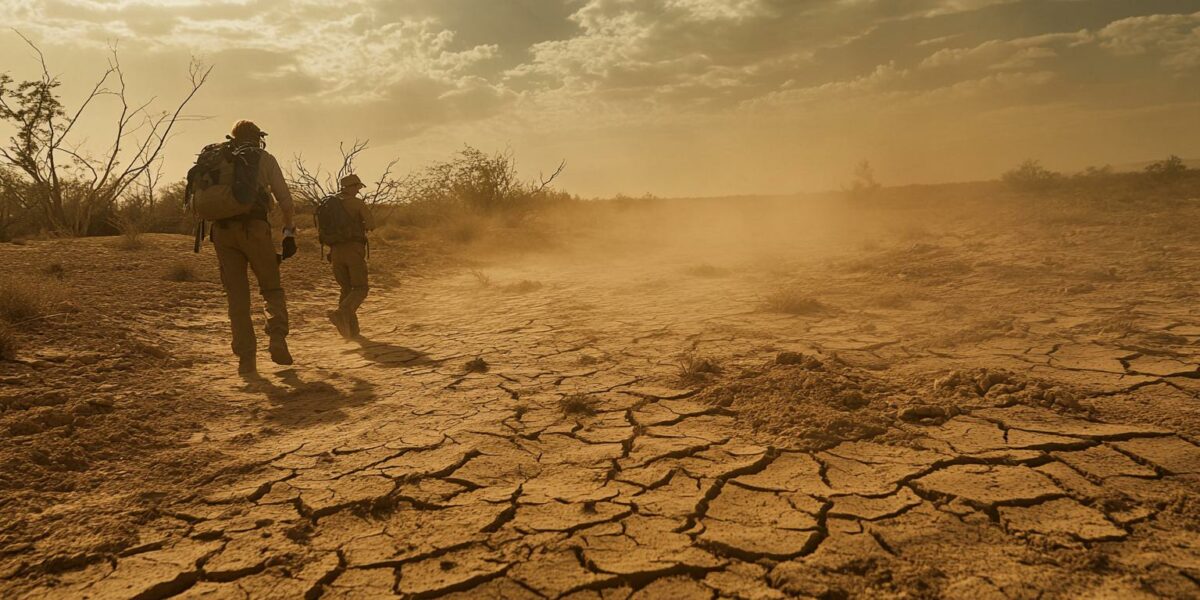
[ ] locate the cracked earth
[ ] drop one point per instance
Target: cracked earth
(984, 436)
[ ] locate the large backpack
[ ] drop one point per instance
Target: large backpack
(224, 181)
(334, 223)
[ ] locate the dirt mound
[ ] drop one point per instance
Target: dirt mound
(806, 403)
(981, 387)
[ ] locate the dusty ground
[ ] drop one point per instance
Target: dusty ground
(970, 408)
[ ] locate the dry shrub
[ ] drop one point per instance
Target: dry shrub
(131, 233)
(181, 271)
(794, 301)
(27, 299)
(578, 404)
(8, 343)
(476, 365)
(697, 369)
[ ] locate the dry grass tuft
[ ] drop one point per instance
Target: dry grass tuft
(27, 299)
(578, 404)
(697, 369)
(476, 365)
(181, 271)
(131, 234)
(794, 301)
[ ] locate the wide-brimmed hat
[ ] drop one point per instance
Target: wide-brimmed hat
(351, 180)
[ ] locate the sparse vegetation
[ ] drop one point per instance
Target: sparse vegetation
(131, 233)
(697, 369)
(476, 365)
(22, 300)
(1167, 169)
(181, 271)
(1031, 176)
(794, 301)
(578, 404)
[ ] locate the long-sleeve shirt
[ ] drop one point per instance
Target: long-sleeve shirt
(272, 175)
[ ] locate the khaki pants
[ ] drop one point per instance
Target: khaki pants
(349, 262)
(242, 243)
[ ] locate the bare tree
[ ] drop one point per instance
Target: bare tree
(69, 187)
(311, 185)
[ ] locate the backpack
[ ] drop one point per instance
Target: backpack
(334, 223)
(224, 181)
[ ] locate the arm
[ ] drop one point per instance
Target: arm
(280, 190)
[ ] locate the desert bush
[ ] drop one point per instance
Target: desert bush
(697, 369)
(794, 301)
(1031, 176)
(476, 365)
(8, 343)
(1167, 169)
(23, 300)
(130, 233)
(181, 271)
(577, 404)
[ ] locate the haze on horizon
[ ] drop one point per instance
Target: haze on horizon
(670, 97)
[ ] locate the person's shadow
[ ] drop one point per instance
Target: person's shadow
(299, 402)
(386, 354)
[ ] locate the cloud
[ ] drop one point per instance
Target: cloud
(1175, 39)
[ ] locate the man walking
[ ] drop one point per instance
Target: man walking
(344, 228)
(245, 240)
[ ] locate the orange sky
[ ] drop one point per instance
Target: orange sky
(670, 97)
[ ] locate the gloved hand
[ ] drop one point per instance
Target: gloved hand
(289, 243)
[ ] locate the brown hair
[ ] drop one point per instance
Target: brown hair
(247, 131)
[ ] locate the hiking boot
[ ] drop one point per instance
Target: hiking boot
(339, 321)
(352, 325)
(279, 351)
(247, 365)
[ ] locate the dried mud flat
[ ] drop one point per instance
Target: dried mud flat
(985, 415)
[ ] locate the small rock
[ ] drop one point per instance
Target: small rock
(798, 358)
(921, 412)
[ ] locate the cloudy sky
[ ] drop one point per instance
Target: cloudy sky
(671, 97)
